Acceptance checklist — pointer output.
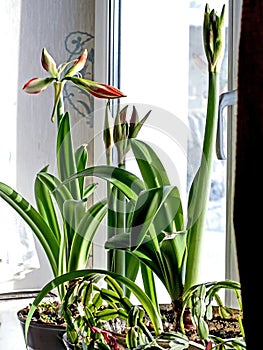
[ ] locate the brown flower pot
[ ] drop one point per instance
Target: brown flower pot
(43, 336)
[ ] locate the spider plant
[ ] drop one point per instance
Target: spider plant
(62, 221)
(94, 297)
(201, 297)
(95, 303)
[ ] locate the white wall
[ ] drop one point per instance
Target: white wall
(57, 25)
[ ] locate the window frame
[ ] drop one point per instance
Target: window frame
(235, 9)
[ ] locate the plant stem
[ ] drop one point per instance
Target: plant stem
(200, 188)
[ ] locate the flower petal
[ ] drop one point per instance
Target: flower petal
(97, 89)
(78, 64)
(37, 85)
(49, 64)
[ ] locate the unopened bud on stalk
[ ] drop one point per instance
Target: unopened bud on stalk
(120, 134)
(120, 126)
(214, 38)
(107, 132)
(133, 121)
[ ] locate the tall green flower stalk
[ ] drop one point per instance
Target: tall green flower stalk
(213, 38)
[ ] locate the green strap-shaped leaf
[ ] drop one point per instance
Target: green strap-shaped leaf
(89, 190)
(132, 265)
(157, 207)
(61, 195)
(45, 205)
(107, 314)
(173, 248)
(84, 234)
(35, 221)
(149, 283)
(73, 211)
(163, 252)
(65, 155)
(53, 184)
(151, 167)
(128, 183)
(81, 159)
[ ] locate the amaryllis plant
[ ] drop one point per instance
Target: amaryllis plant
(61, 220)
(156, 230)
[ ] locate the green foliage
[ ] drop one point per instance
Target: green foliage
(62, 221)
(118, 138)
(201, 298)
(156, 231)
(95, 296)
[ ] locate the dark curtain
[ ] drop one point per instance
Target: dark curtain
(248, 200)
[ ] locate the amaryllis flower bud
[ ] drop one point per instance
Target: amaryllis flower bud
(133, 121)
(97, 89)
(36, 85)
(117, 129)
(123, 114)
(120, 136)
(136, 124)
(107, 132)
(78, 64)
(134, 117)
(213, 36)
(124, 124)
(49, 64)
